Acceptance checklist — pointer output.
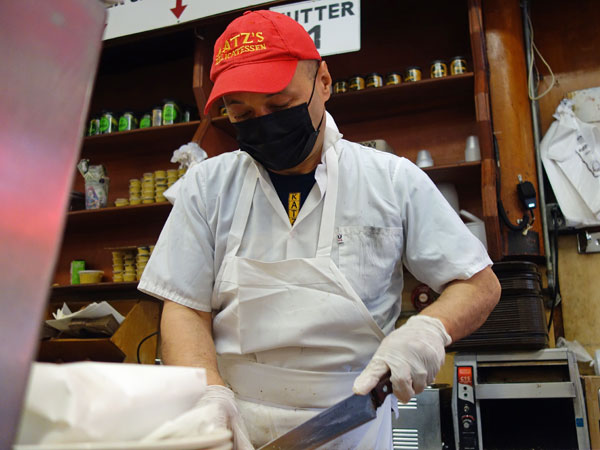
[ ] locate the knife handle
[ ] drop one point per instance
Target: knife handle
(381, 391)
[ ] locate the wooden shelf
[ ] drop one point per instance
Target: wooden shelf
(375, 103)
(140, 138)
(69, 350)
(461, 173)
(141, 320)
(117, 215)
(95, 291)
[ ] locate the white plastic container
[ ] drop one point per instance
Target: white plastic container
(475, 226)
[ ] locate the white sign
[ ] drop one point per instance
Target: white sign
(334, 25)
(136, 16)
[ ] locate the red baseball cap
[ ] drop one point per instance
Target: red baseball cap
(258, 52)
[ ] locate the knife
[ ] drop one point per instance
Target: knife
(334, 421)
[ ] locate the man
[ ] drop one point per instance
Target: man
(290, 305)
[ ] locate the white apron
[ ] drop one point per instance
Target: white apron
(291, 336)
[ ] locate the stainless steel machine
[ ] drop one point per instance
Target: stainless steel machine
(530, 400)
(425, 423)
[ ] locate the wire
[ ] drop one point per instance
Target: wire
(555, 294)
(140, 345)
(531, 49)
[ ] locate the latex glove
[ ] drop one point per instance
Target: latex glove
(414, 353)
(216, 409)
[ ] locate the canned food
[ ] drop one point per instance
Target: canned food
(458, 65)
(439, 69)
(157, 116)
(94, 127)
(127, 122)
(171, 113)
(340, 86)
(393, 78)
(108, 123)
(413, 73)
(374, 80)
(356, 83)
(146, 121)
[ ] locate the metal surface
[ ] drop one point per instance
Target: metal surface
(326, 426)
(538, 388)
(49, 52)
(588, 242)
(333, 422)
(525, 390)
(418, 425)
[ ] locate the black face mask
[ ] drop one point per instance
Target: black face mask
(280, 140)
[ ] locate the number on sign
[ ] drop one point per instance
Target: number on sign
(316, 32)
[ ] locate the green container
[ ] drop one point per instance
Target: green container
(146, 121)
(94, 128)
(108, 123)
(171, 113)
(127, 122)
(76, 266)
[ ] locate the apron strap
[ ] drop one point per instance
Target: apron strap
(242, 211)
(329, 205)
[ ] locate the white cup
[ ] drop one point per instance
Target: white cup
(472, 152)
(424, 159)
(448, 190)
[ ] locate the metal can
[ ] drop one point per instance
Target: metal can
(127, 122)
(157, 116)
(340, 86)
(458, 65)
(94, 127)
(171, 113)
(108, 123)
(356, 83)
(413, 73)
(439, 69)
(76, 266)
(146, 121)
(393, 78)
(374, 80)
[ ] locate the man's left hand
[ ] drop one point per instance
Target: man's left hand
(414, 353)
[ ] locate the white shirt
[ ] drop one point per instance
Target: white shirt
(388, 213)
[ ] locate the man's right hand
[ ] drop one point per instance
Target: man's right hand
(216, 409)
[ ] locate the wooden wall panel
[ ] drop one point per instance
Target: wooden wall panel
(510, 107)
(580, 288)
(568, 38)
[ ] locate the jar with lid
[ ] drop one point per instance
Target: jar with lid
(439, 69)
(356, 83)
(458, 65)
(340, 86)
(413, 73)
(393, 78)
(374, 80)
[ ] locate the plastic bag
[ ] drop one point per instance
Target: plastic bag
(187, 156)
(578, 350)
(570, 152)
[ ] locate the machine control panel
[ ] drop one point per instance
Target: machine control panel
(465, 401)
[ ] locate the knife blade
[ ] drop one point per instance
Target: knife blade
(334, 421)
